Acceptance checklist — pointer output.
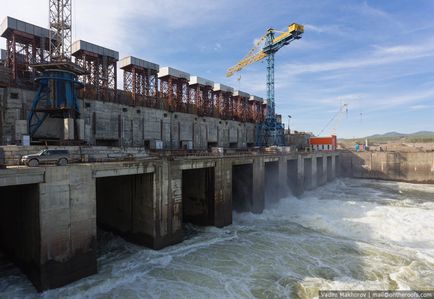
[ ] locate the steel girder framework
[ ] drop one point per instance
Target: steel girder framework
(256, 111)
(201, 98)
(23, 50)
(176, 92)
(60, 16)
(142, 83)
(240, 108)
(223, 104)
(101, 81)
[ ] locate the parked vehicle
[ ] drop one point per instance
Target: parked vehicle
(47, 156)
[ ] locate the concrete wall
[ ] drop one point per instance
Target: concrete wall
(198, 196)
(407, 167)
(123, 205)
(114, 124)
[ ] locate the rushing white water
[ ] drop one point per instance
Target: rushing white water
(349, 234)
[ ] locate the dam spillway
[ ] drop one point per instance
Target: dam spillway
(50, 214)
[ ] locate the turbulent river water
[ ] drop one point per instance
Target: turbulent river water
(349, 234)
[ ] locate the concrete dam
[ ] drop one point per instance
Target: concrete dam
(49, 215)
(179, 186)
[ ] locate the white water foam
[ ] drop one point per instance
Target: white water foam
(349, 234)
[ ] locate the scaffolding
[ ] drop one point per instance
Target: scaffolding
(241, 104)
(174, 89)
(223, 107)
(60, 14)
(141, 81)
(100, 65)
(201, 95)
(256, 110)
(26, 44)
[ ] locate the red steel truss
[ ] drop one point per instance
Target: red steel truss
(241, 105)
(256, 111)
(176, 91)
(141, 82)
(223, 103)
(100, 64)
(201, 96)
(23, 49)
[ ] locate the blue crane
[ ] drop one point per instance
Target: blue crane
(270, 132)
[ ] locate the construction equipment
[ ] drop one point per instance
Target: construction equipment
(56, 96)
(336, 119)
(270, 132)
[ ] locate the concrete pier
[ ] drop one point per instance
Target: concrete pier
(49, 215)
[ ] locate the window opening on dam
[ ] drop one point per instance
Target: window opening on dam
(320, 171)
(19, 227)
(292, 174)
(242, 187)
(125, 206)
(329, 169)
(198, 196)
(271, 181)
(308, 173)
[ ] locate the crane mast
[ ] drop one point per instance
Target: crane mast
(60, 15)
(270, 131)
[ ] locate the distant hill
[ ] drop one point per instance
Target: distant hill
(421, 136)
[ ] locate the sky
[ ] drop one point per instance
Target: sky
(376, 57)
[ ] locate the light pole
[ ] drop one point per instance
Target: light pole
(289, 121)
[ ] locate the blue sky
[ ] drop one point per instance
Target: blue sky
(375, 56)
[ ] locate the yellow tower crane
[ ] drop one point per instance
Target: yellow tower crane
(270, 132)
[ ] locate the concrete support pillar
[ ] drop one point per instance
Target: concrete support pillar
(168, 205)
(331, 168)
(335, 167)
(299, 189)
(307, 172)
(67, 227)
(282, 177)
(80, 129)
(258, 185)
(223, 193)
(314, 181)
(324, 171)
(68, 129)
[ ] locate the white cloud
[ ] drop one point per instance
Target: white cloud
(420, 107)
(381, 56)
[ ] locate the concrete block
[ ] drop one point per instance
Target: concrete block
(80, 129)
(68, 129)
(20, 129)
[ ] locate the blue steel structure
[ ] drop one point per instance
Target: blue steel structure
(269, 132)
(56, 96)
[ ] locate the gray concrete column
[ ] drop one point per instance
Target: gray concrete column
(299, 188)
(314, 181)
(333, 168)
(67, 215)
(282, 177)
(223, 193)
(324, 170)
(168, 205)
(258, 185)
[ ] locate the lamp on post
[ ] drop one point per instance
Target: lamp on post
(289, 121)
